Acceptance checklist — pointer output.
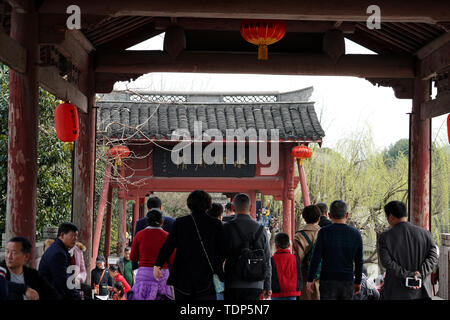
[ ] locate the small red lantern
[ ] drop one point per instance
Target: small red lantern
(263, 33)
(66, 122)
(301, 152)
(118, 153)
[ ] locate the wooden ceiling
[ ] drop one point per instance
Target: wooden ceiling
(213, 26)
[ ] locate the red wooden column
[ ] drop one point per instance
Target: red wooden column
(303, 185)
(142, 206)
(100, 213)
(23, 133)
(420, 144)
(121, 225)
(252, 195)
(135, 215)
(288, 197)
(84, 166)
(108, 224)
(291, 236)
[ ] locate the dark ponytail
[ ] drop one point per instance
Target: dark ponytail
(154, 218)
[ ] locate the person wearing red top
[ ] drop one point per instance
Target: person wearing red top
(286, 271)
(144, 250)
(115, 274)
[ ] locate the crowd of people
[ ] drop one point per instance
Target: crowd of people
(217, 253)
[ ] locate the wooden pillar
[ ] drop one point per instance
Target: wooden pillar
(142, 206)
(291, 236)
(135, 214)
(23, 134)
(121, 235)
(288, 197)
(108, 224)
(286, 215)
(303, 185)
(100, 213)
(252, 195)
(84, 166)
(420, 158)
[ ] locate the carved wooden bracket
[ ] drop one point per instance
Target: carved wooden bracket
(403, 88)
(441, 104)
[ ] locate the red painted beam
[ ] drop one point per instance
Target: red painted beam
(100, 213)
(23, 134)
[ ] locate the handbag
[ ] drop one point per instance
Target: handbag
(97, 285)
(218, 285)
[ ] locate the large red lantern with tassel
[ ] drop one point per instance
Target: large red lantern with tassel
(301, 153)
(66, 122)
(263, 33)
(118, 153)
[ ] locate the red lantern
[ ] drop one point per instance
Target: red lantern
(118, 153)
(263, 33)
(301, 152)
(66, 122)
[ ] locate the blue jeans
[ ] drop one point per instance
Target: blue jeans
(283, 298)
(219, 296)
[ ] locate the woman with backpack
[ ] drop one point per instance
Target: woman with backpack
(303, 244)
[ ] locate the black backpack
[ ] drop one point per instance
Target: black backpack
(250, 265)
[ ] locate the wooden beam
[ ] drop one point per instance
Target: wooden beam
(436, 61)
(76, 48)
(366, 66)
(436, 107)
(161, 23)
(12, 53)
(22, 6)
(323, 10)
(434, 45)
(52, 27)
(50, 80)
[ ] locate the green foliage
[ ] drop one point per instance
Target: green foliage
(400, 148)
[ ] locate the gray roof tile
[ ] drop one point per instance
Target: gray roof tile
(116, 120)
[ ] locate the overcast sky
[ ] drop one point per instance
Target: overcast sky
(348, 105)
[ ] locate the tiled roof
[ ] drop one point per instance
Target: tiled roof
(119, 120)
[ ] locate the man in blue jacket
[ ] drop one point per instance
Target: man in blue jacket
(154, 203)
(55, 262)
(340, 248)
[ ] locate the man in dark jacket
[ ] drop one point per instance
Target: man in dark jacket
(55, 262)
(101, 280)
(154, 203)
(405, 250)
(3, 284)
(339, 248)
(24, 283)
(237, 288)
(324, 221)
